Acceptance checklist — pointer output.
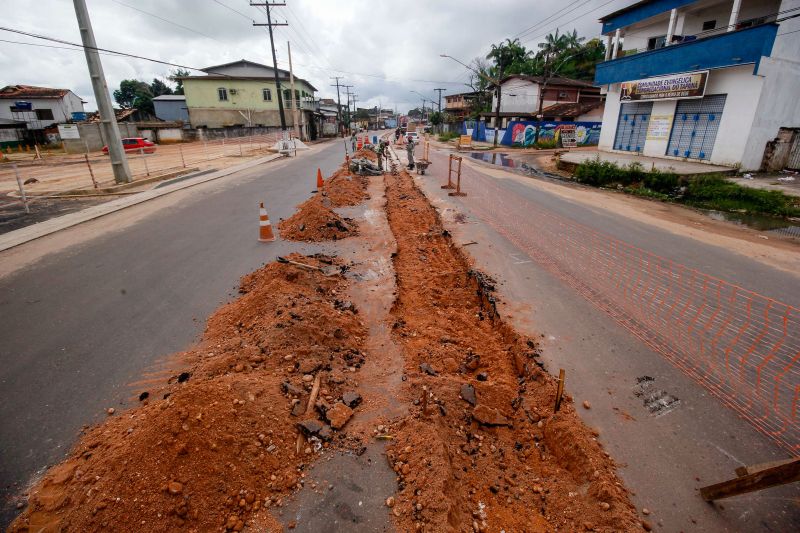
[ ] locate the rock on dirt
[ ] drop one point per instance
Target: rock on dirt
(468, 394)
(351, 399)
(339, 415)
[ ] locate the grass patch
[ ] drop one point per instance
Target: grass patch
(448, 135)
(704, 191)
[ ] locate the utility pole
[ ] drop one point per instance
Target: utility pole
(270, 24)
(440, 98)
(355, 109)
(338, 105)
(348, 127)
(295, 110)
(108, 121)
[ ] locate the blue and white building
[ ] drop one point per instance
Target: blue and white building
(704, 80)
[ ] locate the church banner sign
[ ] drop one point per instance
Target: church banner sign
(672, 87)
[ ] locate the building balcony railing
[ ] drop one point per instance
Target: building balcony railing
(741, 47)
(304, 104)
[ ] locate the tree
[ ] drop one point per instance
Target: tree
(416, 113)
(135, 94)
(362, 114)
(158, 87)
(436, 118)
(175, 75)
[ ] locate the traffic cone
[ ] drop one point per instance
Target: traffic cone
(264, 225)
(320, 181)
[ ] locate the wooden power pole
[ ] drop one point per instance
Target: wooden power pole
(270, 24)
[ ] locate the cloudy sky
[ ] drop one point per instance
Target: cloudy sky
(385, 49)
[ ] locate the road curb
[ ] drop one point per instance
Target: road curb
(53, 225)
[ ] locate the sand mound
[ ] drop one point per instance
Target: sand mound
(314, 222)
(345, 189)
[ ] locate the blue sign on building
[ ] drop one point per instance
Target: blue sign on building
(79, 116)
(23, 106)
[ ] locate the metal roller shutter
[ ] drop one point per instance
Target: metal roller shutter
(632, 126)
(695, 126)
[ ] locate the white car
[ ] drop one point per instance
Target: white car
(412, 136)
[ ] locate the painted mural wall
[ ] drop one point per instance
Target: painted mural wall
(522, 133)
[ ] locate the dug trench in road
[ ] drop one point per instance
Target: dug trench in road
(668, 454)
(532, 457)
(89, 310)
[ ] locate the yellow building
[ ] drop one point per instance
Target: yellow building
(243, 93)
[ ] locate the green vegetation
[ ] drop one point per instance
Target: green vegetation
(714, 192)
(704, 191)
(448, 135)
(546, 144)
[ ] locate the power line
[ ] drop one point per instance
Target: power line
(547, 19)
(569, 21)
(187, 28)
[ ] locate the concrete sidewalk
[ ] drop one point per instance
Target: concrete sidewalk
(41, 229)
(570, 160)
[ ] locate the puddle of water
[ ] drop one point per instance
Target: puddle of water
(758, 222)
(495, 158)
(504, 160)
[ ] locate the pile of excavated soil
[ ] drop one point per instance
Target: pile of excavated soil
(219, 445)
(484, 451)
(369, 154)
(315, 221)
(344, 188)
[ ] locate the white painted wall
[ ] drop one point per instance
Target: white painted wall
(610, 118)
(779, 102)
(62, 108)
(518, 96)
(658, 147)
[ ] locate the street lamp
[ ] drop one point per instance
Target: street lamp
(493, 81)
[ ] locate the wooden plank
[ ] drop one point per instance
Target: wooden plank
(769, 477)
(560, 390)
(752, 469)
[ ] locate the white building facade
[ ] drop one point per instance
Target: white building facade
(38, 107)
(701, 80)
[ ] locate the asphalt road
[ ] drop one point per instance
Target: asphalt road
(80, 326)
(665, 458)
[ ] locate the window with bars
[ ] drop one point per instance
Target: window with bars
(222, 93)
(695, 126)
(632, 126)
(266, 94)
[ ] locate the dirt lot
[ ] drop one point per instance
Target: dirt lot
(278, 375)
(62, 172)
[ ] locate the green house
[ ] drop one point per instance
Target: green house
(243, 93)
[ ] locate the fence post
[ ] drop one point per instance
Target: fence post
(183, 161)
(94, 182)
(144, 158)
(240, 147)
(21, 190)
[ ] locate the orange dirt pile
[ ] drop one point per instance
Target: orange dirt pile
(369, 154)
(345, 189)
(220, 447)
(507, 462)
(315, 221)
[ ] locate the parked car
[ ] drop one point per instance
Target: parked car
(412, 136)
(134, 144)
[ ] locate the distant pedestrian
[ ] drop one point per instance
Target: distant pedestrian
(353, 142)
(381, 151)
(410, 152)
